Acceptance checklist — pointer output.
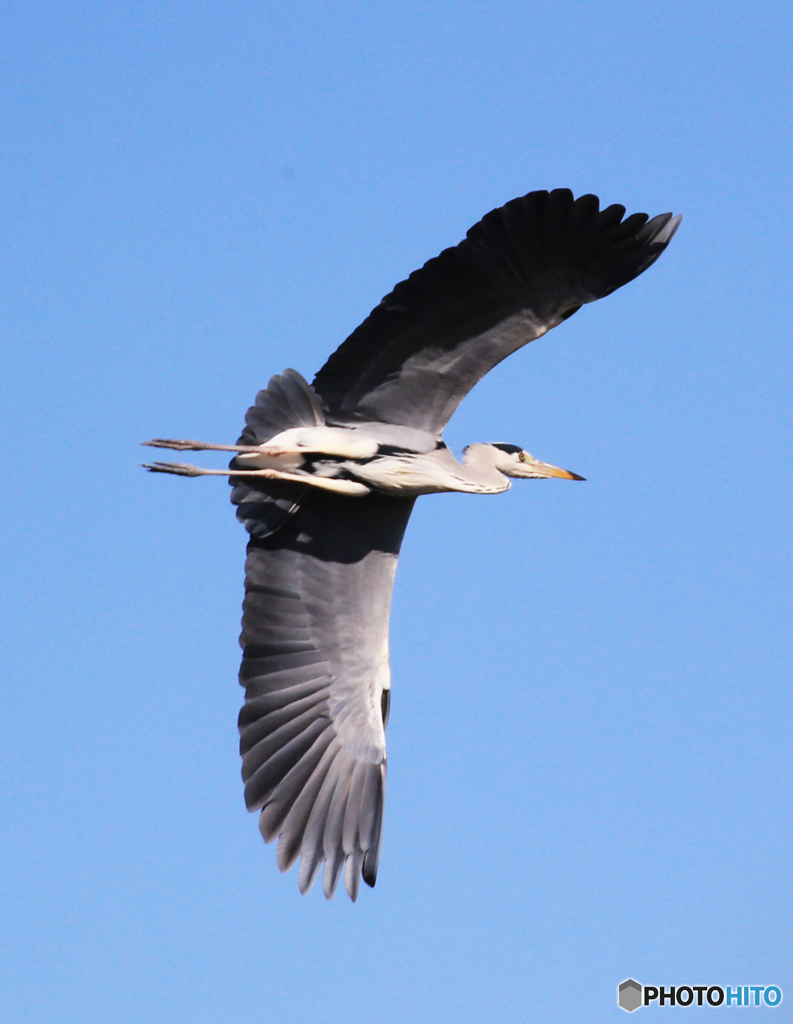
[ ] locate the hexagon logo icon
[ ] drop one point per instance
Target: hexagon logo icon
(629, 995)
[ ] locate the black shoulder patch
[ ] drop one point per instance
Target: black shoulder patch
(392, 449)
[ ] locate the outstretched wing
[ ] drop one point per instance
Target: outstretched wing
(317, 682)
(519, 272)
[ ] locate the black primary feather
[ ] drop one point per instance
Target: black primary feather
(526, 267)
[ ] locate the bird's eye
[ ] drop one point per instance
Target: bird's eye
(522, 456)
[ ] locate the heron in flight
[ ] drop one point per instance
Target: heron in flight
(324, 479)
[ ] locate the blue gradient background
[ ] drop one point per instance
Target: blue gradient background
(590, 738)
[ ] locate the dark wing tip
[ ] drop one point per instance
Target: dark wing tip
(660, 229)
(370, 865)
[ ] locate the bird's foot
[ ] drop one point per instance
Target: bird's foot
(179, 446)
(178, 469)
(198, 446)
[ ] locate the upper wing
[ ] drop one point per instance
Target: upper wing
(519, 272)
(316, 677)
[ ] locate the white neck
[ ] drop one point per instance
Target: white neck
(480, 471)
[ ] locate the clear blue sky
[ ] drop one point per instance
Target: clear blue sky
(590, 738)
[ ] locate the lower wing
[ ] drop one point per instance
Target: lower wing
(316, 677)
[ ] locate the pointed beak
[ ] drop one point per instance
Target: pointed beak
(562, 474)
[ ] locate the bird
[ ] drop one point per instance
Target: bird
(325, 476)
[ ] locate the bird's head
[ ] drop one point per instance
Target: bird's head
(511, 460)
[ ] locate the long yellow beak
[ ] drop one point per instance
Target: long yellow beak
(563, 474)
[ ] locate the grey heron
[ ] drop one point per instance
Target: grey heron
(324, 479)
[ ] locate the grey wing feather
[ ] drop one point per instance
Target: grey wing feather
(315, 668)
(523, 269)
(286, 402)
